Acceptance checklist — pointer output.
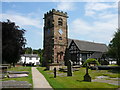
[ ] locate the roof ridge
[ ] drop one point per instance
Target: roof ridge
(87, 41)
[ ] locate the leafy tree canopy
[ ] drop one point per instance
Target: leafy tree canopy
(28, 50)
(91, 60)
(13, 42)
(114, 47)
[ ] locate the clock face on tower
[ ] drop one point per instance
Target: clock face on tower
(60, 31)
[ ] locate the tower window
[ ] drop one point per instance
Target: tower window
(60, 38)
(60, 21)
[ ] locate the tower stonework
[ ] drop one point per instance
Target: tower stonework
(55, 36)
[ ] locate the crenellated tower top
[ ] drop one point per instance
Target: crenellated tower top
(56, 12)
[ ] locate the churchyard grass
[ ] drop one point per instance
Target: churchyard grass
(76, 81)
(29, 78)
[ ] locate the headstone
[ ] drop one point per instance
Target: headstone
(87, 76)
(69, 68)
(55, 72)
(17, 75)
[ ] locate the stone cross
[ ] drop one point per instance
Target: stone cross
(69, 68)
(54, 72)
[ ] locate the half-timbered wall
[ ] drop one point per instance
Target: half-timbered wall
(74, 53)
(78, 56)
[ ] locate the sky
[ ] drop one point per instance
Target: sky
(89, 21)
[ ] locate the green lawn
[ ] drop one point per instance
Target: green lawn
(76, 81)
(29, 78)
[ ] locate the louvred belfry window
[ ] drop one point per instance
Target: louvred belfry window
(60, 21)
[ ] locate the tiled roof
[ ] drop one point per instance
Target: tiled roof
(30, 55)
(89, 46)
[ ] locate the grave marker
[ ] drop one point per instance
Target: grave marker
(17, 75)
(54, 72)
(69, 68)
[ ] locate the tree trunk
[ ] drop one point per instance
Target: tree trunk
(86, 69)
(13, 64)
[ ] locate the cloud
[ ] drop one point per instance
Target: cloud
(99, 31)
(22, 20)
(94, 7)
(59, 0)
(104, 18)
(66, 6)
(31, 22)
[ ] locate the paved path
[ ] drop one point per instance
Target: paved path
(39, 80)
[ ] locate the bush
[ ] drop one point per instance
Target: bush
(91, 60)
(104, 62)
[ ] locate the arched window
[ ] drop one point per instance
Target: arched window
(60, 21)
(61, 55)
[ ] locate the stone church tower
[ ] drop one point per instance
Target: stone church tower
(55, 36)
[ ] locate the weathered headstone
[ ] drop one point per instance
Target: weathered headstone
(55, 72)
(69, 68)
(87, 77)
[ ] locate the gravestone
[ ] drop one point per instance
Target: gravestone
(55, 72)
(69, 68)
(87, 76)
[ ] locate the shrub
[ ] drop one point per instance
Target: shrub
(91, 60)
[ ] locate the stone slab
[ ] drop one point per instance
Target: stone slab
(102, 77)
(18, 72)
(106, 81)
(77, 66)
(17, 75)
(15, 84)
(52, 67)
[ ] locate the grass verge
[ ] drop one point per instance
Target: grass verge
(29, 78)
(76, 81)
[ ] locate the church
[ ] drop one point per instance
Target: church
(58, 48)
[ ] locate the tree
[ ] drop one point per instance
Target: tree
(28, 50)
(40, 53)
(114, 47)
(13, 42)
